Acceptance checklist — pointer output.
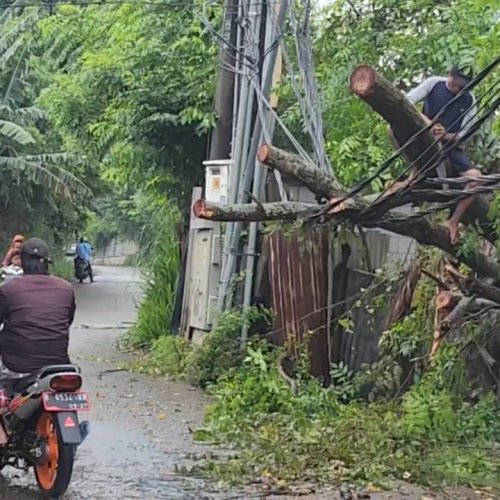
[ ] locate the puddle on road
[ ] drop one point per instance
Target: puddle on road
(112, 464)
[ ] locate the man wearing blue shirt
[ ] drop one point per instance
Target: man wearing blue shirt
(84, 252)
(452, 125)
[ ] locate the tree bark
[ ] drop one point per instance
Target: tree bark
(324, 187)
(392, 105)
(471, 285)
(290, 164)
(429, 233)
(251, 212)
(419, 229)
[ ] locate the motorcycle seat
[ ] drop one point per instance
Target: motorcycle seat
(51, 369)
(17, 382)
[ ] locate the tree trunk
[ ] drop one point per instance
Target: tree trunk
(429, 233)
(355, 209)
(420, 229)
(289, 164)
(392, 105)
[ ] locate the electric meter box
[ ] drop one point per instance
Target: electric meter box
(216, 180)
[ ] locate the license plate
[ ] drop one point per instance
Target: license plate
(65, 401)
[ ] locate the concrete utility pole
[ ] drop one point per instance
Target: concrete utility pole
(221, 136)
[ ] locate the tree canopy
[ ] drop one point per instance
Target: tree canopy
(119, 97)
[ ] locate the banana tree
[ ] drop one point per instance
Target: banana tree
(22, 148)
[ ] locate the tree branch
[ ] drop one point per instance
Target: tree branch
(472, 285)
(288, 211)
(419, 229)
(397, 111)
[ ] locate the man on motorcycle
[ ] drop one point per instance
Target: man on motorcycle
(84, 252)
(37, 311)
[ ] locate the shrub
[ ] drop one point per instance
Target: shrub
(161, 264)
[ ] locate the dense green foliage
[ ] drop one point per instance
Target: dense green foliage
(429, 435)
(407, 40)
(204, 364)
(161, 261)
(40, 192)
(133, 89)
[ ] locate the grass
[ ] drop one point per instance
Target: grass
(160, 262)
(62, 268)
(428, 437)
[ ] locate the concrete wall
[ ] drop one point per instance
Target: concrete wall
(116, 253)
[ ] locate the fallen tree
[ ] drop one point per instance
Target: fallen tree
(355, 210)
(473, 294)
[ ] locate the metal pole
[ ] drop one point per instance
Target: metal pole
(240, 151)
(221, 137)
(272, 74)
(237, 76)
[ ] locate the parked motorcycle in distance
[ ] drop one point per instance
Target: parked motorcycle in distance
(39, 424)
(81, 270)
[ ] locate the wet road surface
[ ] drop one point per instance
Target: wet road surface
(140, 425)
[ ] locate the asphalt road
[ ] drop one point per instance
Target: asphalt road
(140, 425)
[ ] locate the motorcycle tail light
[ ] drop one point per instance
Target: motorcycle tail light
(66, 383)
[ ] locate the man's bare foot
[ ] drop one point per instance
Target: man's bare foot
(339, 205)
(454, 230)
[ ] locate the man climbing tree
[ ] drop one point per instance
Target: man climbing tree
(452, 126)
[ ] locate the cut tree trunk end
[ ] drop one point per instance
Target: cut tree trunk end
(362, 80)
(447, 300)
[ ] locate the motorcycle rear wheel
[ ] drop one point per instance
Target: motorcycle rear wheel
(54, 475)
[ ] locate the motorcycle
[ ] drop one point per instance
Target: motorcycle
(39, 425)
(81, 269)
